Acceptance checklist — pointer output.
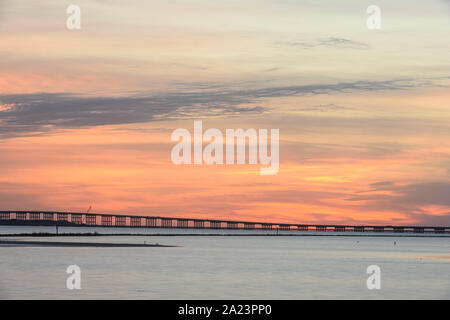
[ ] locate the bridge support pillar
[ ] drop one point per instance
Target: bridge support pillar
(91, 219)
(232, 225)
(76, 218)
(5, 216)
(135, 221)
(48, 216)
(166, 223)
(266, 226)
(198, 224)
(62, 217)
(120, 221)
(182, 223)
(21, 216)
(35, 216)
(150, 222)
(106, 220)
(439, 230)
(215, 224)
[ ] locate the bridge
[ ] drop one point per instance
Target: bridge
(72, 219)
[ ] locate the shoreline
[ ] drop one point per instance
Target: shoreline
(20, 243)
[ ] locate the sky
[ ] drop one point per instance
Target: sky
(86, 115)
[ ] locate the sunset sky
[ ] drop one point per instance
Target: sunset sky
(364, 115)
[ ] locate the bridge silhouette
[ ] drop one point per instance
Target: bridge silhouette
(73, 219)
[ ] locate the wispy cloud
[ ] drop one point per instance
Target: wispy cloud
(28, 113)
(424, 193)
(324, 108)
(331, 42)
(410, 199)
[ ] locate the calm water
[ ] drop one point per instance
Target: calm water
(238, 267)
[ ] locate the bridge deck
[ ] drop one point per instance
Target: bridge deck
(133, 221)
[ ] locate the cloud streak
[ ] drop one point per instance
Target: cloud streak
(411, 199)
(331, 42)
(24, 114)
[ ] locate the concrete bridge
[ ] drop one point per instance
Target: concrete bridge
(51, 218)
